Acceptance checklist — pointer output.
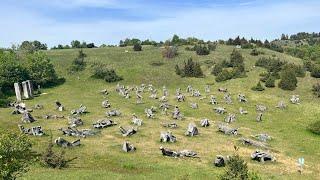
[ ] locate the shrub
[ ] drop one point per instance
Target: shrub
(308, 65)
(255, 52)
(271, 64)
(314, 127)
(212, 46)
(299, 70)
(224, 75)
(11, 71)
(202, 50)
(258, 87)
(41, 70)
(170, 52)
(236, 169)
(236, 59)
(270, 82)
(52, 159)
(315, 71)
(137, 47)
(316, 89)
(217, 69)
(178, 70)
(15, 155)
(190, 69)
(101, 72)
(288, 79)
(78, 63)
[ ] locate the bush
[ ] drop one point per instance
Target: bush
(202, 50)
(299, 70)
(258, 87)
(308, 65)
(41, 69)
(270, 82)
(236, 169)
(254, 52)
(15, 155)
(53, 160)
(271, 64)
(236, 59)
(11, 71)
(190, 69)
(315, 71)
(137, 47)
(178, 70)
(217, 69)
(78, 63)
(212, 46)
(288, 79)
(170, 52)
(314, 127)
(100, 71)
(224, 75)
(316, 89)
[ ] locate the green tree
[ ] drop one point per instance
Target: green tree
(270, 82)
(79, 63)
(15, 155)
(217, 69)
(52, 159)
(40, 69)
(316, 89)
(315, 71)
(224, 75)
(75, 44)
(137, 47)
(258, 87)
(288, 79)
(236, 169)
(236, 59)
(175, 40)
(11, 71)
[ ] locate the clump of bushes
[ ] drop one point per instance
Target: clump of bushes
(288, 80)
(189, 69)
(270, 82)
(16, 155)
(35, 66)
(316, 89)
(137, 47)
(78, 64)
(315, 127)
(271, 64)
(236, 64)
(202, 50)
(237, 169)
(315, 71)
(224, 75)
(258, 87)
(255, 52)
(100, 71)
(170, 52)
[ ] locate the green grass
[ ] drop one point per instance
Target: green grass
(100, 157)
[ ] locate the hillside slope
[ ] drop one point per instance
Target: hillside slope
(100, 156)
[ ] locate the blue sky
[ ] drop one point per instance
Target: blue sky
(108, 21)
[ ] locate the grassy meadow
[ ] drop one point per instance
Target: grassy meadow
(100, 156)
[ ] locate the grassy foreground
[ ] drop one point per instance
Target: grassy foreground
(100, 156)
